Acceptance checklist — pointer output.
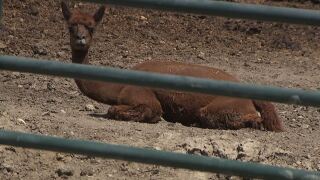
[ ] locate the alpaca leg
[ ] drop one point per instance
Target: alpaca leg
(229, 114)
(139, 113)
(271, 120)
(136, 104)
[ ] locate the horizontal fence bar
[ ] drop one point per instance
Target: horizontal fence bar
(154, 80)
(149, 156)
(226, 9)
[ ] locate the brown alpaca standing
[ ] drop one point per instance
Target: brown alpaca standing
(133, 103)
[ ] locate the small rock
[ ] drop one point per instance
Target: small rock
(2, 45)
(61, 54)
(64, 172)
(63, 111)
(46, 113)
(292, 125)
(90, 107)
(54, 100)
(259, 60)
(246, 64)
(201, 55)
(307, 165)
(305, 126)
(95, 161)
(162, 42)
(37, 49)
(33, 11)
(86, 172)
(21, 121)
(307, 156)
(7, 167)
(50, 86)
(143, 18)
(16, 74)
(59, 157)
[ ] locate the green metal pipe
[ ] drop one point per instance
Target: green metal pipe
(149, 156)
(181, 83)
(226, 9)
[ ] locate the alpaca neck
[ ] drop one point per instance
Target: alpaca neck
(81, 57)
(102, 92)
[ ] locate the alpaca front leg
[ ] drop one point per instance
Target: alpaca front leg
(139, 113)
(137, 104)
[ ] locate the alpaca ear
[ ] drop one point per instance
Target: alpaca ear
(99, 14)
(65, 11)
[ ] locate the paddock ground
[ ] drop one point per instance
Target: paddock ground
(257, 52)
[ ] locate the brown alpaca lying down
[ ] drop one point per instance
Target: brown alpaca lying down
(141, 104)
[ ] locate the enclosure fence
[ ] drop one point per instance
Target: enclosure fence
(222, 8)
(150, 156)
(225, 9)
(181, 83)
(154, 80)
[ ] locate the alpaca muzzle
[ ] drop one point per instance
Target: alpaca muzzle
(81, 42)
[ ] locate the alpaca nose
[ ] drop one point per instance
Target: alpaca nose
(81, 40)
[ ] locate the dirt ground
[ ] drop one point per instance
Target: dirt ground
(257, 52)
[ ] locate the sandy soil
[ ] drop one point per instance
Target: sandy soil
(257, 52)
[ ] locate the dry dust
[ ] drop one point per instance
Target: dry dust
(257, 52)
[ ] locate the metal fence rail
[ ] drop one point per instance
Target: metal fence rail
(226, 9)
(221, 8)
(194, 162)
(182, 83)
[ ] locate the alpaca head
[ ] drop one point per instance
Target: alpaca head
(81, 26)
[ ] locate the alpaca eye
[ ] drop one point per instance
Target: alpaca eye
(90, 29)
(71, 30)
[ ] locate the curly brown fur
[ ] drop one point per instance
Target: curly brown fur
(269, 116)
